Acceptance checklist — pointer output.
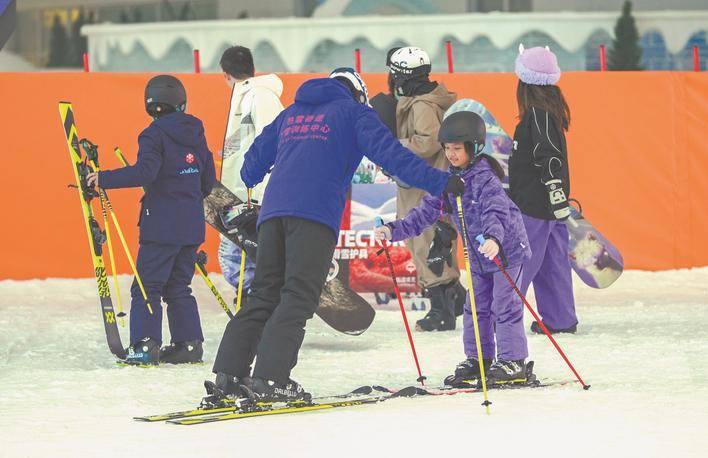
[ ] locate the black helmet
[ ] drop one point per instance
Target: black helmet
(462, 127)
(164, 94)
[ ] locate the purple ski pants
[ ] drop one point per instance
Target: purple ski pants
(550, 272)
(500, 314)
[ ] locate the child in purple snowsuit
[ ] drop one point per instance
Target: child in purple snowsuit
(539, 183)
(488, 211)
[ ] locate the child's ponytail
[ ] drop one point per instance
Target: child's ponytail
(476, 156)
(496, 166)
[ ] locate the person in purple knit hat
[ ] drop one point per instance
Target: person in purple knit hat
(539, 183)
(488, 211)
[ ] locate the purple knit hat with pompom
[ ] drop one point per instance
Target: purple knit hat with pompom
(537, 66)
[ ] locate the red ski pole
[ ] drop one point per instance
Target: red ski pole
(480, 238)
(384, 244)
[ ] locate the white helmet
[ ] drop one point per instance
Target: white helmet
(409, 62)
(353, 81)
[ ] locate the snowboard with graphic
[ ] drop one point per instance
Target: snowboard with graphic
(593, 257)
(596, 261)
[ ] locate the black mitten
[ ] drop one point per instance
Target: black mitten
(441, 248)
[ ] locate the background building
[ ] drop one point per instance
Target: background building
(315, 35)
(32, 37)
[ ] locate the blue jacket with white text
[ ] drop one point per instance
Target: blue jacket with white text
(176, 169)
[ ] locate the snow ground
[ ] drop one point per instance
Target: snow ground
(642, 344)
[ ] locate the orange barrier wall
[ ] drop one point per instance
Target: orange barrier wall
(639, 158)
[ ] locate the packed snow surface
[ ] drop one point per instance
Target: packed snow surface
(642, 344)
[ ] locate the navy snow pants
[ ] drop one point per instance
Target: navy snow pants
(166, 272)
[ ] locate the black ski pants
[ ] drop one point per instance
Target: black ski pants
(294, 256)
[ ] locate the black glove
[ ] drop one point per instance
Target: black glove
(455, 185)
(441, 248)
(242, 221)
(558, 201)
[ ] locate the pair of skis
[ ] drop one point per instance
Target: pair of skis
(96, 236)
(373, 394)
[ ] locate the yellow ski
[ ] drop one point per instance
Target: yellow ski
(96, 236)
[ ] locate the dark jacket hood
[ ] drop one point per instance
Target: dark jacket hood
(322, 90)
(182, 128)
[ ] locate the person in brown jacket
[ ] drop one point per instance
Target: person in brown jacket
(419, 112)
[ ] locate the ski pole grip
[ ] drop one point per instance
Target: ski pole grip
(480, 238)
(378, 221)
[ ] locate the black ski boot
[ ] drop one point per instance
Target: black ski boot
(536, 328)
(456, 294)
(433, 315)
(225, 390)
(143, 353)
(188, 352)
(467, 373)
(503, 372)
(268, 391)
(441, 316)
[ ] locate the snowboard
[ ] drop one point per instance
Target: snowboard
(593, 257)
(596, 261)
(340, 307)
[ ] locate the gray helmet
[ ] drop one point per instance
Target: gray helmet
(461, 127)
(164, 94)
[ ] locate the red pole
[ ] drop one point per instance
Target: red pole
(603, 59)
(384, 244)
(540, 323)
(448, 51)
(86, 63)
(197, 65)
(696, 59)
(480, 238)
(357, 60)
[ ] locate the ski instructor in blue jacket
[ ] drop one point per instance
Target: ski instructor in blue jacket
(311, 151)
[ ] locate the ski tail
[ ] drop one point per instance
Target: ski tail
(96, 237)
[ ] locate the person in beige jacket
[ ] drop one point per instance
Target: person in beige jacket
(419, 112)
(255, 103)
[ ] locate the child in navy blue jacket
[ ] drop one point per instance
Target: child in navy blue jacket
(311, 151)
(176, 169)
